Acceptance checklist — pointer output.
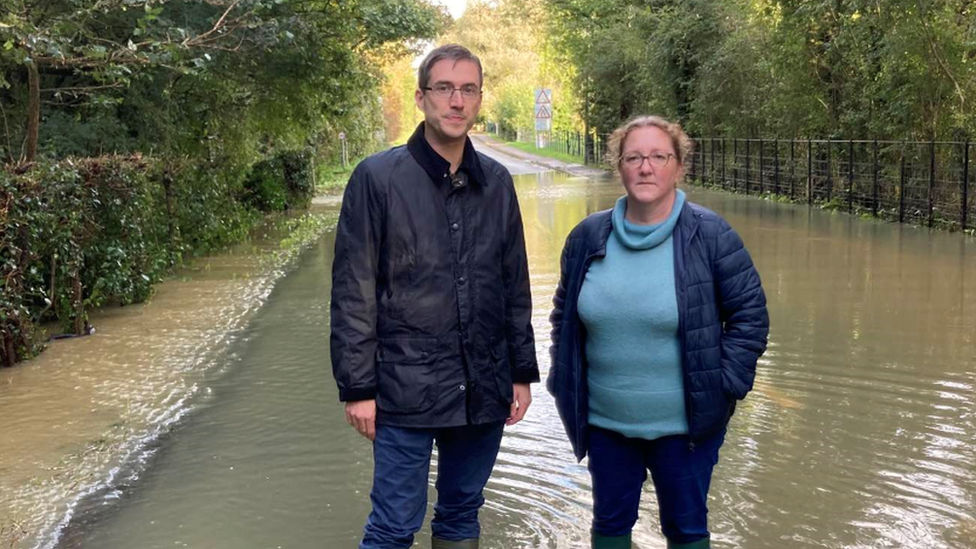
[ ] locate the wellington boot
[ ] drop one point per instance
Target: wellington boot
(700, 544)
(610, 542)
(437, 543)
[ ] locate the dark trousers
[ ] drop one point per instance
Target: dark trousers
(618, 466)
(465, 457)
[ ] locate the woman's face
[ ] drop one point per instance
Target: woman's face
(649, 166)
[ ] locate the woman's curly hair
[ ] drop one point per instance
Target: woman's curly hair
(683, 145)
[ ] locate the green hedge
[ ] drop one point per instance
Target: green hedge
(79, 234)
(263, 188)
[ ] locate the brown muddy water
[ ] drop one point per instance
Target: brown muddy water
(82, 419)
(224, 417)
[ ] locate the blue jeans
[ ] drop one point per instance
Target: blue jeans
(465, 457)
(618, 466)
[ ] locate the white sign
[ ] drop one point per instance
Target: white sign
(543, 109)
(342, 135)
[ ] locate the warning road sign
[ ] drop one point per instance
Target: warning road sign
(543, 96)
(543, 112)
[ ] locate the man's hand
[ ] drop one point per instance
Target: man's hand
(361, 414)
(522, 397)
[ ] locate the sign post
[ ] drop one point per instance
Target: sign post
(543, 116)
(345, 156)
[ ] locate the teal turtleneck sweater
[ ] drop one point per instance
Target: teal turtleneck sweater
(629, 308)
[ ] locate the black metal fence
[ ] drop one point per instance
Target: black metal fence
(566, 142)
(923, 182)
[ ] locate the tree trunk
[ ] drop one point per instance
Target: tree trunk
(33, 111)
(78, 305)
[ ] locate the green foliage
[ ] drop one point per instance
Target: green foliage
(545, 152)
(509, 36)
(177, 75)
(332, 178)
(299, 177)
(282, 182)
(264, 188)
(854, 69)
(232, 103)
(80, 234)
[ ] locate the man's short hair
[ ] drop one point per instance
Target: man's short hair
(452, 52)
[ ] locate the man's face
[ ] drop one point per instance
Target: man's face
(450, 114)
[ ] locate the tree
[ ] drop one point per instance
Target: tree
(509, 36)
(842, 68)
(84, 52)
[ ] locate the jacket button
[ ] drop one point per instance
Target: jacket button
(461, 280)
(461, 387)
(454, 227)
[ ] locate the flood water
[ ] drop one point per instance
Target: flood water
(859, 434)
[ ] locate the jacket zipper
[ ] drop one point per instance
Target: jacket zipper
(679, 281)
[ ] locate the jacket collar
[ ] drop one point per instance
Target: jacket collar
(439, 169)
(685, 229)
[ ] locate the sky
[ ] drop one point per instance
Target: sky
(456, 7)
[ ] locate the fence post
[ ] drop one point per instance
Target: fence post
(901, 187)
(830, 177)
(850, 175)
(965, 184)
(792, 166)
(931, 183)
(748, 165)
(713, 159)
(809, 171)
(777, 189)
(735, 164)
(874, 190)
(725, 182)
(762, 167)
(704, 169)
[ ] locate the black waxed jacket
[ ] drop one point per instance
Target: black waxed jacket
(431, 310)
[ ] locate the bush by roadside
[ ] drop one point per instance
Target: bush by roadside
(81, 233)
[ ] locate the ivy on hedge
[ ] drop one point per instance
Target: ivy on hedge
(82, 233)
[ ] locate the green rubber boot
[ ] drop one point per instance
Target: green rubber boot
(609, 542)
(700, 544)
(437, 543)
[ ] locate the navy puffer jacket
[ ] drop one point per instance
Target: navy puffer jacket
(722, 321)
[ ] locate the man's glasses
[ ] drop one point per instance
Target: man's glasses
(445, 91)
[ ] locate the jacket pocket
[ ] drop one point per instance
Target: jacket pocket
(406, 376)
(503, 370)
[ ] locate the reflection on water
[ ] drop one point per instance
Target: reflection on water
(81, 418)
(859, 432)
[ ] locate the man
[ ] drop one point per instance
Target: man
(431, 333)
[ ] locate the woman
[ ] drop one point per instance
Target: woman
(659, 320)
